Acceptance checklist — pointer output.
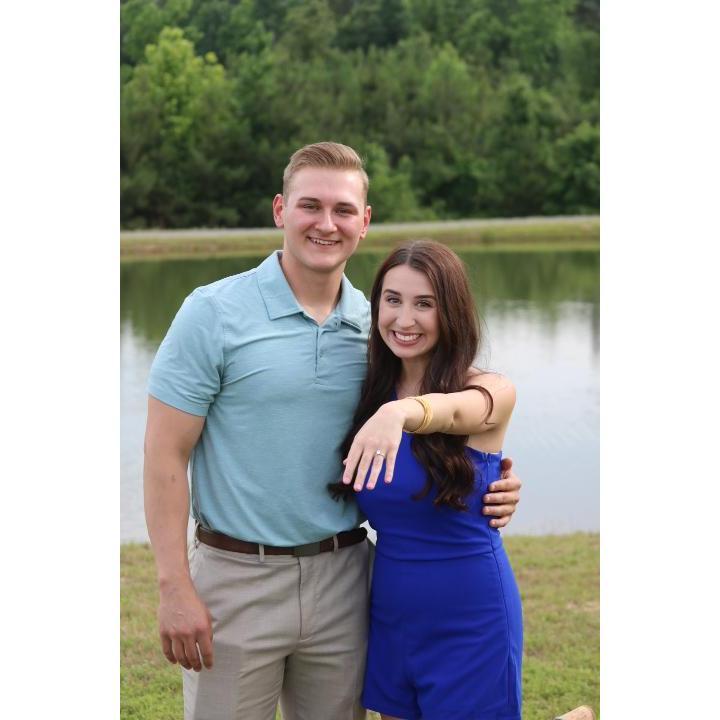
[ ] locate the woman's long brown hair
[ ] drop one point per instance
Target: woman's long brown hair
(443, 456)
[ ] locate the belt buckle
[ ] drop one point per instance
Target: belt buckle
(307, 550)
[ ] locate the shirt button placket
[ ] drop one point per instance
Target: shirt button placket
(318, 333)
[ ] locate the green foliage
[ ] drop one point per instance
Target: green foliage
(141, 22)
(523, 124)
(378, 23)
(177, 131)
(309, 30)
(463, 107)
(576, 180)
(391, 194)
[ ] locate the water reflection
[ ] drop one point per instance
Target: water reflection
(541, 313)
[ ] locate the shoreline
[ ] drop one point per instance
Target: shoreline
(580, 232)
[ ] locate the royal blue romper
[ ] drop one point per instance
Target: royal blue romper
(445, 638)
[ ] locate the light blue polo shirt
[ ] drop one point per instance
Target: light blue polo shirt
(278, 392)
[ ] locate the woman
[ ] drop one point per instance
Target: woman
(445, 639)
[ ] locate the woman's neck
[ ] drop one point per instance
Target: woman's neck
(411, 376)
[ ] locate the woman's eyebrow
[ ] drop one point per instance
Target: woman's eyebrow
(417, 297)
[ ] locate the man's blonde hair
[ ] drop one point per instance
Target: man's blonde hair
(335, 156)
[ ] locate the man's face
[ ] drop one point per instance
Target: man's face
(324, 217)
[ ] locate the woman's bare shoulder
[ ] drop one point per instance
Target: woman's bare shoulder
(501, 390)
(488, 379)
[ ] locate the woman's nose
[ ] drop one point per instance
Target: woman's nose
(406, 318)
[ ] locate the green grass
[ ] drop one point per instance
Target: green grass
(558, 577)
(512, 234)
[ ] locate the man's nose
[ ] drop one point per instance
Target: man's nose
(325, 223)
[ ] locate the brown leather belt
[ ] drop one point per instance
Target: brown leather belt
(225, 542)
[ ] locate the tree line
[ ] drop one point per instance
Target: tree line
(461, 108)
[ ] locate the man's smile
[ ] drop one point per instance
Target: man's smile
(322, 242)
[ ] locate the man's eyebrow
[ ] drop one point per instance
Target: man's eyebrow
(342, 203)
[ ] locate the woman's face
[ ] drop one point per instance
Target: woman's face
(408, 316)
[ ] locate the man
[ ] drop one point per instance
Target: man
(257, 380)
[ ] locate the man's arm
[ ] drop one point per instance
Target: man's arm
(184, 620)
(503, 496)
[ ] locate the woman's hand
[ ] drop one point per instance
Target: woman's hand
(377, 440)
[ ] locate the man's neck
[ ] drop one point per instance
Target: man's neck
(317, 293)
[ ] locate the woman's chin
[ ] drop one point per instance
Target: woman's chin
(406, 353)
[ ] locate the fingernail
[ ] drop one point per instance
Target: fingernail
(346, 480)
(486, 511)
(388, 479)
(491, 488)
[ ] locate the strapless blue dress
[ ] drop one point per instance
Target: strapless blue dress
(445, 639)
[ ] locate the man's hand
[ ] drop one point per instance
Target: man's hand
(185, 624)
(503, 496)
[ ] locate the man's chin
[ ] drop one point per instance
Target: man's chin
(328, 264)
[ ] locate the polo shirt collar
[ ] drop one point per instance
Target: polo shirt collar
(350, 310)
(280, 300)
(275, 289)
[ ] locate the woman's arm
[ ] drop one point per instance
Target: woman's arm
(461, 413)
(467, 412)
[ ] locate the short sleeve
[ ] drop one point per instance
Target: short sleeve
(188, 368)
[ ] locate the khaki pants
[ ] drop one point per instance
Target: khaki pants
(285, 628)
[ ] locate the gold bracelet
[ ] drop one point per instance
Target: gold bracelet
(428, 414)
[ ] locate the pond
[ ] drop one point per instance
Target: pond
(541, 315)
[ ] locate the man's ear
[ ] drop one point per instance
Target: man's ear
(366, 220)
(278, 205)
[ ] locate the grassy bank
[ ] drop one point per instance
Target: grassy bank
(512, 234)
(559, 582)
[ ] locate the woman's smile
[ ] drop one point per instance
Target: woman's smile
(406, 338)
